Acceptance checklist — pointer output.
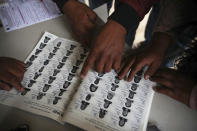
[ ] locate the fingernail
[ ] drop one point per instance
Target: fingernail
(147, 77)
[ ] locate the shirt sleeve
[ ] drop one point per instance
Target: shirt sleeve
(130, 12)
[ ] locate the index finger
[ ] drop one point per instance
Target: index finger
(87, 65)
(125, 69)
(135, 68)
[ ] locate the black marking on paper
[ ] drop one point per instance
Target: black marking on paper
(55, 49)
(72, 47)
(37, 74)
(46, 62)
(97, 81)
(137, 79)
(66, 84)
(131, 94)
(70, 77)
(64, 59)
(74, 69)
(40, 95)
(93, 88)
(134, 86)
(51, 55)
(28, 64)
(32, 58)
(55, 72)
(88, 97)
(56, 99)
(26, 90)
(31, 83)
(42, 45)
(102, 113)
(114, 86)
(69, 53)
(60, 65)
(46, 39)
(110, 95)
(38, 51)
(61, 92)
(128, 102)
(122, 121)
(84, 105)
(117, 80)
(46, 87)
(107, 103)
(51, 79)
(41, 69)
(125, 111)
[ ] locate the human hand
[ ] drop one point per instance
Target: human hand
(11, 73)
(151, 56)
(82, 20)
(107, 49)
(173, 84)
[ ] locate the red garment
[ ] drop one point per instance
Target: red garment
(141, 6)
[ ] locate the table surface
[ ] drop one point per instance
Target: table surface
(167, 113)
